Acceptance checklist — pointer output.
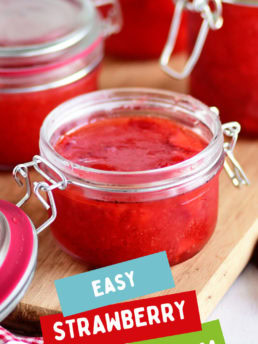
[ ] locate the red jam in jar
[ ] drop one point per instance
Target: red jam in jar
(226, 74)
(23, 114)
(130, 144)
(145, 28)
(143, 169)
(49, 53)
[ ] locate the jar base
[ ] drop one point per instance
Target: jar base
(92, 266)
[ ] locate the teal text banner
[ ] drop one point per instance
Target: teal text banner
(115, 283)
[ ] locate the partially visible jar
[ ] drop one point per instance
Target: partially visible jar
(116, 215)
(145, 28)
(224, 71)
(50, 51)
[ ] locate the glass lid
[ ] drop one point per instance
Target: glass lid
(4, 238)
(18, 253)
(40, 27)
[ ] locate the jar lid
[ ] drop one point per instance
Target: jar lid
(18, 253)
(41, 30)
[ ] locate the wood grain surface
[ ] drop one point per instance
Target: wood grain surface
(210, 273)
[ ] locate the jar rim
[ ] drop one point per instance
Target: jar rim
(45, 68)
(199, 164)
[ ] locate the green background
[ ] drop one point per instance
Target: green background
(210, 331)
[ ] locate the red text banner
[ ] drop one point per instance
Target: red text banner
(126, 322)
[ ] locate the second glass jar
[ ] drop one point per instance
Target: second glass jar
(226, 74)
(223, 65)
(49, 52)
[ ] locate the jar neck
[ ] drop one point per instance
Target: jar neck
(59, 74)
(183, 109)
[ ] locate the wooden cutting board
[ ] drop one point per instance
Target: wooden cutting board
(210, 273)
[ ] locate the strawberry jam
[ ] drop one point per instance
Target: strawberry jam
(103, 228)
(226, 74)
(23, 114)
(130, 144)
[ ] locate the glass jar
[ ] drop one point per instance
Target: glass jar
(224, 66)
(145, 29)
(105, 217)
(50, 51)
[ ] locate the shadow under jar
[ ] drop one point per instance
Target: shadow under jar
(50, 51)
(107, 215)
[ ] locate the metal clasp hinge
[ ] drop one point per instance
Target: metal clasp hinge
(212, 19)
(231, 165)
(113, 21)
(22, 170)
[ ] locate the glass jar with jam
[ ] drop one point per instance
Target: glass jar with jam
(224, 64)
(50, 51)
(133, 172)
(145, 29)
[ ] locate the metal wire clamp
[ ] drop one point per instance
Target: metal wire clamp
(61, 183)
